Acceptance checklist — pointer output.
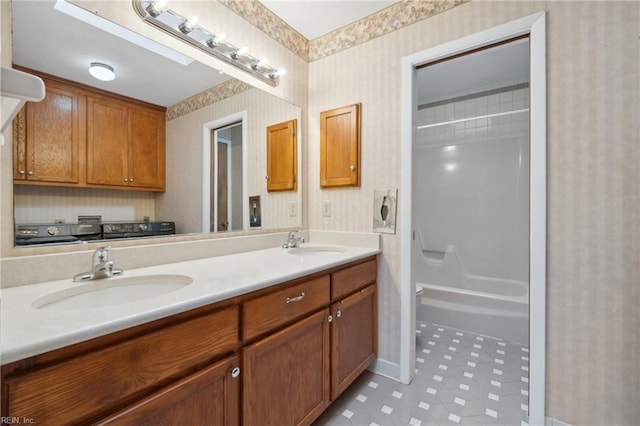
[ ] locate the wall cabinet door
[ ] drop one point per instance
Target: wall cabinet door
(125, 145)
(286, 375)
(107, 142)
(282, 156)
(146, 148)
(208, 397)
(340, 147)
(353, 338)
(48, 136)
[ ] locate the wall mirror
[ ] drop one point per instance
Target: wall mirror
(66, 45)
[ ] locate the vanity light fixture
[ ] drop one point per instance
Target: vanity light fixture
(102, 71)
(158, 14)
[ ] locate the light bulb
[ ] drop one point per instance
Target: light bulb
(189, 25)
(156, 7)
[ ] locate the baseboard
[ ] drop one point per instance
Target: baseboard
(385, 368)
(550, 421)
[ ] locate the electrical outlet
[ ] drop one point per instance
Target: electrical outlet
(293, 209)
(326, 208)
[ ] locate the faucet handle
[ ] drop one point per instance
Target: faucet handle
(102, 253)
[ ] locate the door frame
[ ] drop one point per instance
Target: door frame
(534, 25)
(207, 129)
(216, 159)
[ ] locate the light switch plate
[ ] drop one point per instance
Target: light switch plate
(293, 209)
(326, 208)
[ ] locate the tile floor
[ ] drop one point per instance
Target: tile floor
(462, 378)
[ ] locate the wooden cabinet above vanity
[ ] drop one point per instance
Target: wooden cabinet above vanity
(84, 137)
(241, 360)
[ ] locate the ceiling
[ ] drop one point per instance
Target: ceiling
(47, 40)
(315, 18)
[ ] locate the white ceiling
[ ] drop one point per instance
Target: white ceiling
(47, 40)
(501, 66)
(314, 18)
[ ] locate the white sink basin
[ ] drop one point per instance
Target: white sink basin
(112, 291)
(315, 250)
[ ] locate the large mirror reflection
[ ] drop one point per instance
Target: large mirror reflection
(208, 177)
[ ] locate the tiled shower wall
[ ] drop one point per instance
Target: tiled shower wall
(454, 163)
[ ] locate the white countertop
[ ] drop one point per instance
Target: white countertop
(26, 331)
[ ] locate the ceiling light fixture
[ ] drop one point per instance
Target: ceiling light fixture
(102, 71)
(158, 14)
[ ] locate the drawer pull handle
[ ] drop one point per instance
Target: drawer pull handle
(295, 299)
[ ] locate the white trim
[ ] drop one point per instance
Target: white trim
(538, 224)
(385, 368)
(206, 169)
(535, 26)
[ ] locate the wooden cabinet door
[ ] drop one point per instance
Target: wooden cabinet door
(107, 142)
(49, 135)
(340, 147)
(282, 161)
(286, 375)
(353, 338)
(208, 397)
(146, 148)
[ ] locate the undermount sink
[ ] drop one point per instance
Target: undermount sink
(315, 250)
(114, 291)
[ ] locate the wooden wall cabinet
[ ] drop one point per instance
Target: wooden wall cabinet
(49, 137)
(282, 156)
(84, 137)
(277, 356)
(131, 154)
(340, 147)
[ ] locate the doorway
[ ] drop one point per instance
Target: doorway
(435, 246)
(226, 175)
(224, 198)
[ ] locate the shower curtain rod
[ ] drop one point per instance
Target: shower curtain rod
(462, 120)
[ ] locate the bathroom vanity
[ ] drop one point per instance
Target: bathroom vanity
(276, 354)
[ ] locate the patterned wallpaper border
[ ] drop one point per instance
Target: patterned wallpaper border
(210, 96)
(394, 17)
(261, 17)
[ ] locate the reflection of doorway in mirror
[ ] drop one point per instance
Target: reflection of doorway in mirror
(384, 210)
(226, 178)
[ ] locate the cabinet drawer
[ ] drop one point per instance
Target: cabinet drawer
(85, 386)
(267, 312)
(353, 278)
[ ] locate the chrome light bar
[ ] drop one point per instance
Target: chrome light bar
(157, 14)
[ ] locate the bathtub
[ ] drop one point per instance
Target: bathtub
(504, 317)
(489, 306)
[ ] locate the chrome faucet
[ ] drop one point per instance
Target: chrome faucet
(101, 267)
(293, 240)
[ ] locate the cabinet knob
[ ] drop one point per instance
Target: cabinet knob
(126, 180)
(267, 177)
(235, 372)
(338, 314)
(131, 180)
(21, 172)
(330, 318)
(353, 168)
(30, 173)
